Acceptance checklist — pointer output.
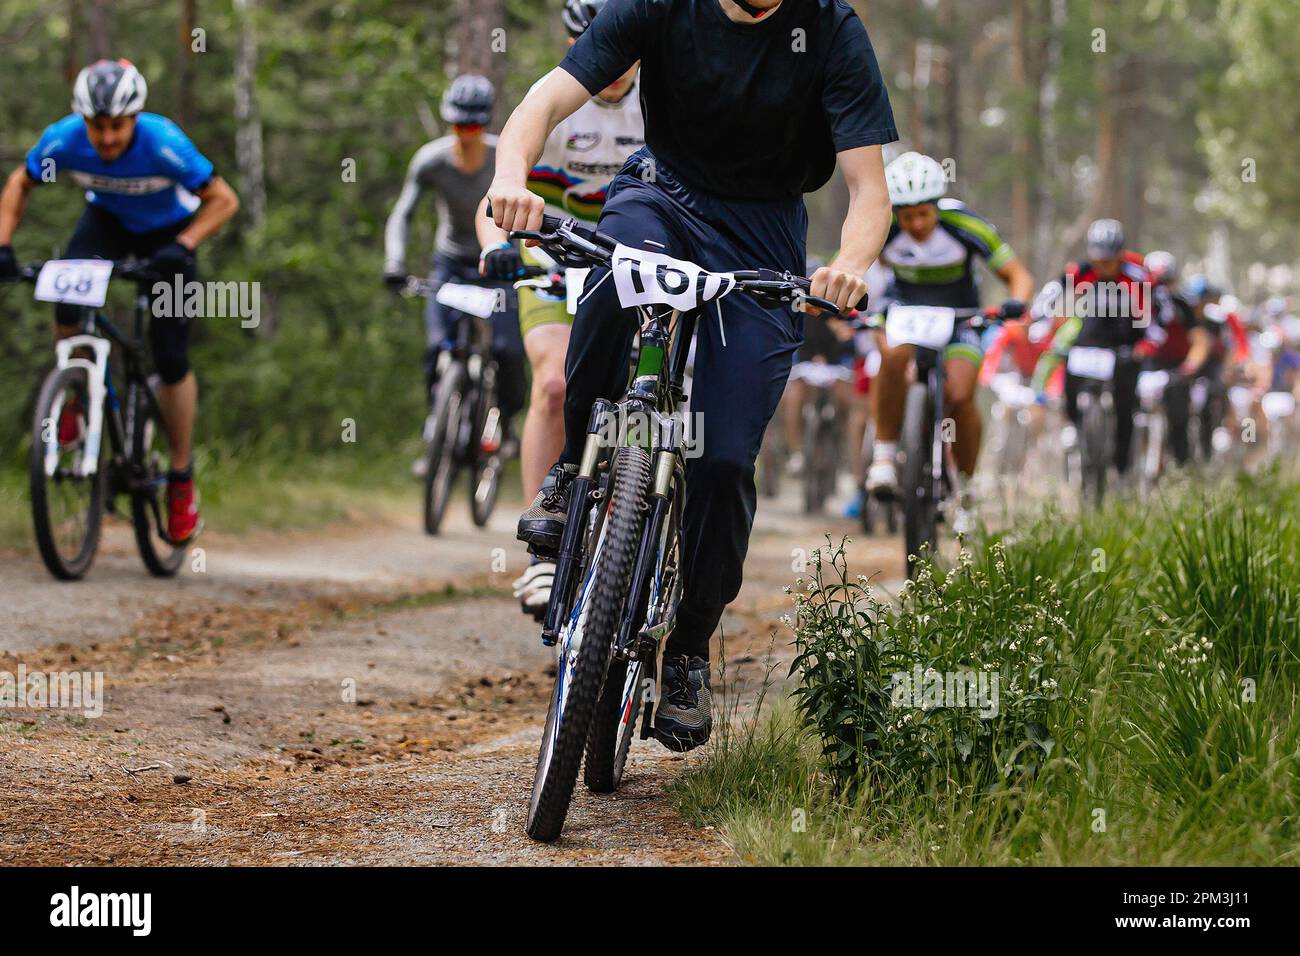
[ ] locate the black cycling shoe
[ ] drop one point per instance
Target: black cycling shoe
(542, 525)
(684, 719)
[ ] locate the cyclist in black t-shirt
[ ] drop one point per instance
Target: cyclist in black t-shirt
(747, 106)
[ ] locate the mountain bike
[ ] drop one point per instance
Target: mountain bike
(1095, 369)
(464, 428)
(875, 510)
(617, 576)
(823, 432)
(72, 481)
(928, 475)
(1151, 431)
(1011, 438)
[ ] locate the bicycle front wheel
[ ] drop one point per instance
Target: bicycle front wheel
(920, 509)
(585, 645)
(67, 504)
(441, 451)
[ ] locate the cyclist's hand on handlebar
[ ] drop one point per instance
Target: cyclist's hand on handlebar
(8, 263)
(501, 262)
(513, 207)
(170, 260)
(395, 281)
(1013, 309)
(845, 289)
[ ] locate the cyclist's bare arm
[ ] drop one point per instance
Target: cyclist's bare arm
(218, 204)
(866, 226)
(13, 202)
(1020, 284)
(520, 146)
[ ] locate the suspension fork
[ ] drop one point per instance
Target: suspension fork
(643, 568)
(568, 563)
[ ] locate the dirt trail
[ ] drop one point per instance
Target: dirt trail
(361, 694)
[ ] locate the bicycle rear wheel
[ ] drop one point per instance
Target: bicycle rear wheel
(148, 490)
(585, 645)
(67, 507)
(920, 509)
(441, 451)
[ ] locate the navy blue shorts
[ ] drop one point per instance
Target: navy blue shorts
(743, 355)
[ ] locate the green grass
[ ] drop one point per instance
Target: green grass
(1148, 662)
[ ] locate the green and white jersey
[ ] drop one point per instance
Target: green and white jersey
(941, 269)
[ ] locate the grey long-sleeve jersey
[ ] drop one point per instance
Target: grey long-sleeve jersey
(456, 197)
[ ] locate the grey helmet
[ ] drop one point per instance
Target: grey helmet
(578, 14)
(1105, 239)
(109, 88)
(468, 101)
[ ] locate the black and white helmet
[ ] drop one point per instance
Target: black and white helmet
(1105, 239)
(468, 101)
(109, 88)
(578, 14)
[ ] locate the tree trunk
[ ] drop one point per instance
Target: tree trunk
(185, 67)
(72, 55)
(1020, 187)
(248, 134)
(952, 55)
(1047, 256)
(478, 47)
(101, 29)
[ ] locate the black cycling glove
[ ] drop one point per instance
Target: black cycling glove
(1013, 309)
(172, 259)
(8, 264)
(502, 262)
(395, 281)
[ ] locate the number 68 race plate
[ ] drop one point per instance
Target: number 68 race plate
(75, 281)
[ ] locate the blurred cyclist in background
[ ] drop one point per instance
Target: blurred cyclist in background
(457, 169)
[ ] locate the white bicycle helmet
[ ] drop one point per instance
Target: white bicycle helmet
(1105, 239)
(914, 179)
(109, 88)
(1162, 266)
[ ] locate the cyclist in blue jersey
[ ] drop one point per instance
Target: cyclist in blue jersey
(149, 194)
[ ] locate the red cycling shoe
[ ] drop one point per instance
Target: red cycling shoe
(183, 521)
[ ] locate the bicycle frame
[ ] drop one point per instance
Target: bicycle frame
(656, 394)
(930, 369)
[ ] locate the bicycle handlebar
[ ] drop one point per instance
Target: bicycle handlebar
(131, 269)
(573, 244)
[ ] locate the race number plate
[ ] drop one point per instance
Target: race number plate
(652, 278)
(472, 299)
(1277, 405)
(1096, 364)
(924, 325)
(1151, 385)
(573, 280)
(74, 281)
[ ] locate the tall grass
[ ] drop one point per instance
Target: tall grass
(1147, 675)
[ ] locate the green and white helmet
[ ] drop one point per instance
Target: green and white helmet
(914, 179)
